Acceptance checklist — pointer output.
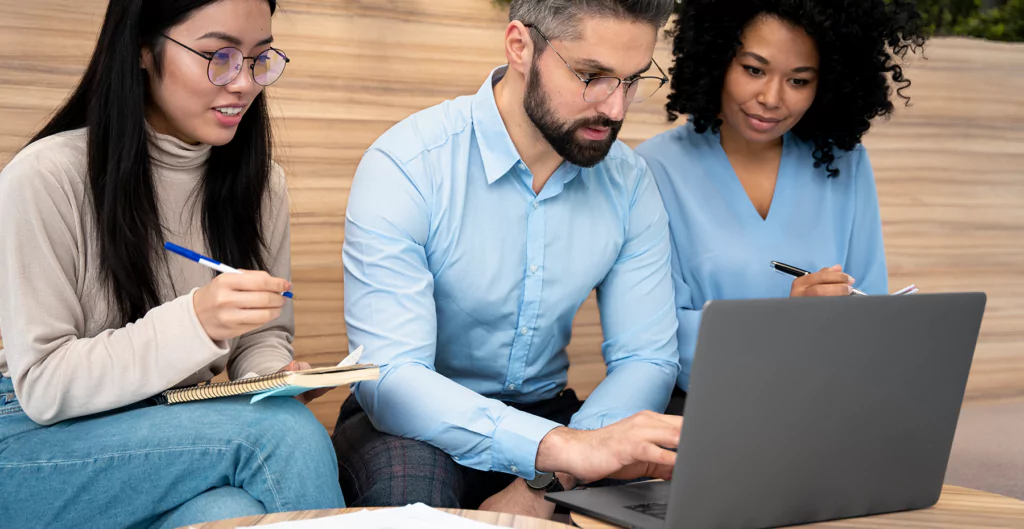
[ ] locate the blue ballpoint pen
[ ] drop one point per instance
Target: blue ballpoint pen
(206, 261)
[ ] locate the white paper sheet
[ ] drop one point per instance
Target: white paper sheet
(417, 516)
(353, 358)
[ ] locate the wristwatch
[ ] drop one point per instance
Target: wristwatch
(545, 481)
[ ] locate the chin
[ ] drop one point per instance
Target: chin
(756, 136)
(217, 138)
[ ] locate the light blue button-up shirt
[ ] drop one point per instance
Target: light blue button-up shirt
(462, 284)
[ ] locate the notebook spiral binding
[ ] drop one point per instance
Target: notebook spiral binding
(222, 389)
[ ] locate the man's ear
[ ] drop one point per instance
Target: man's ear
(518, 47)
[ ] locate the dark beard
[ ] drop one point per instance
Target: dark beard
(561, 135)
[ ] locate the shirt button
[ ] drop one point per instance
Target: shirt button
(456, 458)
(533, 269)
(536, 205)
(514, 469)
(521, 166)
(523, 331)
(511, 387)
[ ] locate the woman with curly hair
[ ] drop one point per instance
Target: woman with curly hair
(770, 166)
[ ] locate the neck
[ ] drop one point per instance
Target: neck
(535, 151)
(736, 146)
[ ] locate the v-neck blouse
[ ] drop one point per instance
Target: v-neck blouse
(721, 247)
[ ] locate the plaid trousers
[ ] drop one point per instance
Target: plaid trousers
(376, 469)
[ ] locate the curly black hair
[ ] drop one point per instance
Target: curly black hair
(861, 44)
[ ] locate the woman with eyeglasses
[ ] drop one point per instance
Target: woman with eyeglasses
(770, 166)
(167, 138)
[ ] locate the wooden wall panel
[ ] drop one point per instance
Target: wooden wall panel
(948, 168)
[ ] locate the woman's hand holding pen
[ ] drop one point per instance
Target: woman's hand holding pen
(826, 282)
(233, 304)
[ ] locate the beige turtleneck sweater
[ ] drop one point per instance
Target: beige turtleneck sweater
(60, 345)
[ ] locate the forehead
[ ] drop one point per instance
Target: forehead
(622, 45)
(241, 18)
(779, 41)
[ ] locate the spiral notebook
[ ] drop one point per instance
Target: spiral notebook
(284, 384)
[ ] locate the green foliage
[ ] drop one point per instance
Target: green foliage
(1004, 21)
(968, 18)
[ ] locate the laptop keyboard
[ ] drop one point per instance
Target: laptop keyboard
(657, 510)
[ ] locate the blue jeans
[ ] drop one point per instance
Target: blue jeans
(163, 466)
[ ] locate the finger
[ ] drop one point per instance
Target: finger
(242, 299)
(829, 290)
(255, 318)
(666, 436)
(834, 268)
(827, 277)
(630, 472)
(643, 470)
(651, 453)
(258, 281)
(292, 366)
(675, 421)
(316, 393)
(660, 471)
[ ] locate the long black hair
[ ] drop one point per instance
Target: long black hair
(860, 43)
(111, 101)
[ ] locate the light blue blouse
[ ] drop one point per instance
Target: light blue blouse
(721, 247)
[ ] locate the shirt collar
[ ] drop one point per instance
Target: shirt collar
(496, 148)
(498, 152)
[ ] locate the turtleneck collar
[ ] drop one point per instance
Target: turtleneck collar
(172, 153)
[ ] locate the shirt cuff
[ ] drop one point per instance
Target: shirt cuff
(516, 441)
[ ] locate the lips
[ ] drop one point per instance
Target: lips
(762, 123)
(229, 110)
(596, 133)
(228, 115)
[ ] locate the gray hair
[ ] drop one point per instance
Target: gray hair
(559, 19)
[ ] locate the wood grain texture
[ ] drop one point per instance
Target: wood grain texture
(494, 518)
(958, 507)
(948, 168)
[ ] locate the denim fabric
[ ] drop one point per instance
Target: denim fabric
(163, 466)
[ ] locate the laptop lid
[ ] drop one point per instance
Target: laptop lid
(803, 410)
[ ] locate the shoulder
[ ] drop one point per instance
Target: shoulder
(277, 188)
(852, 164)
(624, 168)
(681, 137)
(56, 166)
(427, 131)
(674, 150)
(679, 158)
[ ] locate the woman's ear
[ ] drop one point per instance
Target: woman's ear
(146, 58)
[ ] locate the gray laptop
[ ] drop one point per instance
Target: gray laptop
(804, 410)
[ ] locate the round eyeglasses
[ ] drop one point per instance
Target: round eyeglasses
(226, 63)
(599, 88)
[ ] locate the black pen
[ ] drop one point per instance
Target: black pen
(797, 272)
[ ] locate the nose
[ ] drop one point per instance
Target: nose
(243, 82)
(771, 94)
(614, 108)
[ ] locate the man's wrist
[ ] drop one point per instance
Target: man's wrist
(552, 450)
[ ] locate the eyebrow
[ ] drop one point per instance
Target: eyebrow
(766, 62)
(601, 68)
(233, 39)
